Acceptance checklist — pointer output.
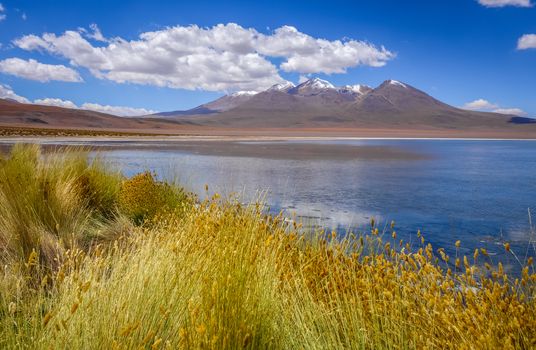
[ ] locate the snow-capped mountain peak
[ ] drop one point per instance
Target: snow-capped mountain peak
(244, 93)
(282, 87)
(397, 83)
(317, 83)
(312, 87)
(357, 89)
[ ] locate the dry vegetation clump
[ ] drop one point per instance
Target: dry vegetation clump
(218, 275)
(142, 196)
(49, 203)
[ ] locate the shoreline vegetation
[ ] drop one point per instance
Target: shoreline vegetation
(93, 260)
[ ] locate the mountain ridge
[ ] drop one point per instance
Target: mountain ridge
(313, 108)
(318, 103)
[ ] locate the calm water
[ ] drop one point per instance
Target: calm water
(476, 191)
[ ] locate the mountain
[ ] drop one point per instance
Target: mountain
(284, 87)
(314, 107)
(398, 103)
(312, 87)
(355, 89)
(317, 103)
(222, 104)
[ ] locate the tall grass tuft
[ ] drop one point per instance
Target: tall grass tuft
(52, 202)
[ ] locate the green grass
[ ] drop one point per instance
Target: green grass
(97, 261)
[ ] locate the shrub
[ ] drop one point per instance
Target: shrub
(142, 196)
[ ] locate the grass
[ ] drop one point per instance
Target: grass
(47, 205)
(93, 260)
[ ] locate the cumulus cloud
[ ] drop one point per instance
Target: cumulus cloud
(503, 3)
(7, 93)
(220, 58)
(480, 104)
(58, 102)
(486, 106)
(514, 111)
(306, 54)
(117, 110)
(302, 79)
(527, 41)
(121, 111)
(33, 70)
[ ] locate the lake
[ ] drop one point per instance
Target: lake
(476, 191)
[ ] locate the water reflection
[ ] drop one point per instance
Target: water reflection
(475, 191)
(478, 192)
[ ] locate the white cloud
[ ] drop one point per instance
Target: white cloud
(7, 93)
(219, 58)
(486, 106)
(2, 15)
(179, 57)
(480, 104)
(514, 111)
(33, 70)
(527, 41)
(117, 110)
(306, 54)
(503, 3)
(23, 16)
(302, 79)
(55, 102)
(96, 35)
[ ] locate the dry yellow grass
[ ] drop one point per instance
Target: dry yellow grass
(218, 275)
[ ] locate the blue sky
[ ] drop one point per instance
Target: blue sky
(464, 52)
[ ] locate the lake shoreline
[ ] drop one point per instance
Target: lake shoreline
(96, 257)
(190, 131)
(208, 138)
(292, 148)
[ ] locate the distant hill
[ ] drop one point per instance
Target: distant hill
(13, 113)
